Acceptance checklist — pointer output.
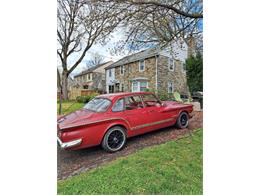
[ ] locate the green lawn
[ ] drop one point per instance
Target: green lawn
(171, 168)
(69, 106)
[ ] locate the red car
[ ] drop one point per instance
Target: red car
(111, 118)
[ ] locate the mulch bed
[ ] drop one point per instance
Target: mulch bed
(74, 162)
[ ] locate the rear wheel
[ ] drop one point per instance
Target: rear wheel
(183, 120)
(114, 139)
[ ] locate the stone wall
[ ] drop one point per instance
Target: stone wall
(177, 76)
(132, 72)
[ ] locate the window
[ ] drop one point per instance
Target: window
(171, 64)
(129, 68)
(85, 86)
(110, 72)
(122, 87)
(118, 106)
(141, 65)
(133, 102)
(122, 69)
(184, 67)
(170, 87)
(135, 86)
(150, 100)
(98, 105)
(143, 86)
(117, 87)
(139, 86)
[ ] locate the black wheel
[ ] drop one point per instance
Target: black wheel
(183, 120)
(114, 139)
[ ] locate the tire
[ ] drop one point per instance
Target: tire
(183, 120)
(114, 139)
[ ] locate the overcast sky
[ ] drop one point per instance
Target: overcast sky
(100, 49)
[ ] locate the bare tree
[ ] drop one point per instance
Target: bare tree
(81, 23)
(160, 22)
(59, 85)
(95, 60)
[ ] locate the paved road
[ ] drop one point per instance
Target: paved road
(73, 162)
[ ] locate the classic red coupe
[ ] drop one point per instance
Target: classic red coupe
(110, 119)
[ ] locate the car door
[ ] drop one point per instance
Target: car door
(135, 114)
(156, 119)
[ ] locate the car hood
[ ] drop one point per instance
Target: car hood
(75, 118)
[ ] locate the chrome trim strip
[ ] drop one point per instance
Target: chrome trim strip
(69, 144)
(89, 123)
(151, 124)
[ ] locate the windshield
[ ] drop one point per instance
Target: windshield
(98, 105)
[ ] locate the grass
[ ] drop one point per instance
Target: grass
(171, 168)
(69, 106)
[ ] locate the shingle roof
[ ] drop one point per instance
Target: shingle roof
(135, 57)
(91, 69)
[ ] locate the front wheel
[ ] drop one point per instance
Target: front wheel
(183, 120)
(114, 139)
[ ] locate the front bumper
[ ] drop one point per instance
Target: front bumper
(70, 144)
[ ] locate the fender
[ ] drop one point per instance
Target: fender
(123, 121)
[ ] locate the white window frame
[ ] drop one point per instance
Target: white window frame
(140, 65)
(122, 68)
(110, 73)
(169, 64)
(170, 84)
(139, 85)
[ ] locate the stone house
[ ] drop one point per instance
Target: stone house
(93, 78)
(154, 68)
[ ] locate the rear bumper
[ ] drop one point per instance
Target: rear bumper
(65, 145)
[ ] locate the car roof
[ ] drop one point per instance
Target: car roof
(113, 96)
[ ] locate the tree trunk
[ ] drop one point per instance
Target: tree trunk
(65, 85)
(60, 89)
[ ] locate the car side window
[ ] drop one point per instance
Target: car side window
(118, 106)
(133, 102)
(150, 100)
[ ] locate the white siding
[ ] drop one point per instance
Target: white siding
(110, 79)
(178, 50)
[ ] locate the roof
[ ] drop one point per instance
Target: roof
(112, 96)
(91, 69)
(136, 57)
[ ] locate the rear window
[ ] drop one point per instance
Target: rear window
(98, 104)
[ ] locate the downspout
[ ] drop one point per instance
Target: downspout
(156, 72)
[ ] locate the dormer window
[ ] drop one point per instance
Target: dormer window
(141, 65)
(171, 64)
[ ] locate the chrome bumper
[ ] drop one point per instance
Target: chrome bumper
(70, 144)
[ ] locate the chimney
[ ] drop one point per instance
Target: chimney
(191, 46)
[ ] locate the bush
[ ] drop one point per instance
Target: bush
(82, 99)
(87, 98)
(162, 95)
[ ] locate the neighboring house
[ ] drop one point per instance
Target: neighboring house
(156, 69)
(71, 84)
(93, 78)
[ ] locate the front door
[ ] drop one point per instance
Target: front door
(111, 89)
